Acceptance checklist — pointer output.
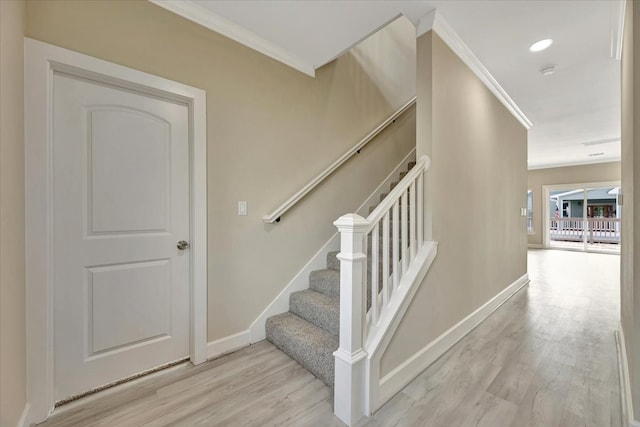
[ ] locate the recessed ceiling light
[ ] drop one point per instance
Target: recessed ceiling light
(540, 45)
(547, 70)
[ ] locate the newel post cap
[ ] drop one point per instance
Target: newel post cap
(351, 222)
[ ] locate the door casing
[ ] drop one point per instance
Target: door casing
(41, 61)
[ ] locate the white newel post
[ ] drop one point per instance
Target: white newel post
(350, 381)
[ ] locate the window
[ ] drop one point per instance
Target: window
(530, 211)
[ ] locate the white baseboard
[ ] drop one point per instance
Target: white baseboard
(24, 418)
(628, 418)
(228, 344)
(318, 261)
(397, 379)
(535, 246)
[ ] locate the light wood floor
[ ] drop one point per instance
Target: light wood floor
(547, 358)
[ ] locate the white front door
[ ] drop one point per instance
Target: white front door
(120, 206)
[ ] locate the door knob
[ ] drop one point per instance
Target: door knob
(182, 245)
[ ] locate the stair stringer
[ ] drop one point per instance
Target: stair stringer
(300, 281)
(389, 321)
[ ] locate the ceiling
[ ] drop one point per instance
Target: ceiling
(575, 112)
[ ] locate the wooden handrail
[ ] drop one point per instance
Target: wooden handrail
(311, 185)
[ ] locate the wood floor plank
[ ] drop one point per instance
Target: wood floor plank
(589, 400)
(223, 391)
(513, 381)
(281, 382)
(489, 411)
(300, 394)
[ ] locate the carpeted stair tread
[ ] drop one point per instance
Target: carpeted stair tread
(333, 263)
(304, 342)
(325, 281)
(317, 308)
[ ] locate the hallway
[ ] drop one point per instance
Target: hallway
(547, 357)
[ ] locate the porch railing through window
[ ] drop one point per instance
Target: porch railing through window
(597, 230)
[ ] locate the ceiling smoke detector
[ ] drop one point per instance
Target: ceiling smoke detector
(547, 70)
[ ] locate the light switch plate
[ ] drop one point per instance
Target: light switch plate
(242, 208)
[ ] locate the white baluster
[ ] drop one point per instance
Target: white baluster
(385, 259)
(412, 221)
(396, 245)
(375, 238)
(405, 231)
(366, 320)
(349, 391)
(420, 207)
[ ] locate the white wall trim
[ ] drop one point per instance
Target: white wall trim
(41, 60)
(228, 344)
(535, 246)
(205, 17)
(628, 417)
(300, 281)
(436, 22)
(617, 28)
(402, 375)
(24, 420)
(573, 163)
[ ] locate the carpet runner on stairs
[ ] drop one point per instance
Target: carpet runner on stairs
(308, 333)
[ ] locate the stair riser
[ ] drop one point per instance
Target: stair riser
(318, 309)
(333, 262)
(325, 281)
(317, 359)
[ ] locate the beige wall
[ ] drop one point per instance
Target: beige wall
(629, 257)
(600, 172)
(270, 130)
(478, 182)
(12, 289)
(391, 53)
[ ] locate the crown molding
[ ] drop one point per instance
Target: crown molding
(434, 21)
(617, 27)
(538, 166)
(192, 11)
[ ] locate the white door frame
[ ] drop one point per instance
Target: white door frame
(41, 61)
(546, 194)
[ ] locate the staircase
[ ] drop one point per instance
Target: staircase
(308, 333)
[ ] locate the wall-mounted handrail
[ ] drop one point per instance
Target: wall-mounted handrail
(291, 201)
